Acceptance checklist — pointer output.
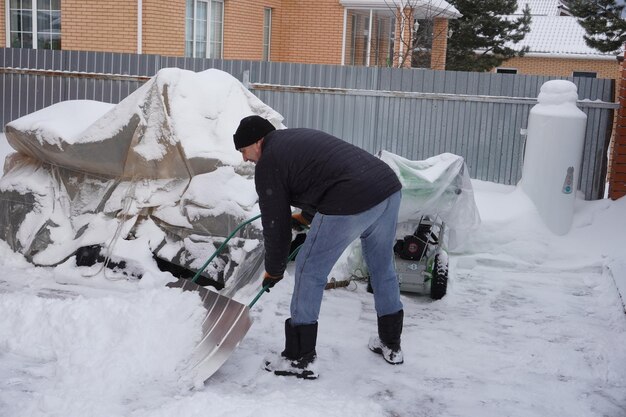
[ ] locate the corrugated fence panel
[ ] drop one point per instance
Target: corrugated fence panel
(487, 133)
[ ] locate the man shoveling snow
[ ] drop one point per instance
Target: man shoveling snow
(353, 195)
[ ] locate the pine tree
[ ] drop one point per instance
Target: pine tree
(601, 19)
(479, 39)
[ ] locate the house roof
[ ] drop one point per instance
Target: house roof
(424, 8)
(558, 36)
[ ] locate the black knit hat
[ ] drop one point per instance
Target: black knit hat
(250, 130)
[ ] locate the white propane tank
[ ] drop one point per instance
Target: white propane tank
(553, 155)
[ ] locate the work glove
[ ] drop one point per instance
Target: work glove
(299, 223)
(269, 281)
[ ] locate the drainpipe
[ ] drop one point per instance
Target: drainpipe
(139, 25)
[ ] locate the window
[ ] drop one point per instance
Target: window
(353, 39)
(204, 28)
(44, 32)
(366, 38)
(392, 40)
(586, 74)
(378, 47)
(506, 70)
(267, 33)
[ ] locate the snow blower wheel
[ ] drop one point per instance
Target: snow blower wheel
(439, 280)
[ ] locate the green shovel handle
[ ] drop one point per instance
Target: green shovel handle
(195, 278)
(261, 291)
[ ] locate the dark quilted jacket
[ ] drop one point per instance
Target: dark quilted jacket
(316, 172)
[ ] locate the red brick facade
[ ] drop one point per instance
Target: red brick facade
(617, 169)
(310, 32)
(112, 24)
(3, 31)
(302, 31)
(163, 27)
(440, 44)
(532, 65)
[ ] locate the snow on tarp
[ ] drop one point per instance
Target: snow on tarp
(437, 186)
(178, 124)
(158, 170)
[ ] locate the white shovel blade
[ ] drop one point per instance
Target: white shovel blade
(224, 327)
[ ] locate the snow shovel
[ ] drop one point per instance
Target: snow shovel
(224, 327)
(226, 322)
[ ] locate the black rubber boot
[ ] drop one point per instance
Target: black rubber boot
(390, 329)
(292, 342)
(307, 336)
(387, 343)
(299, 355)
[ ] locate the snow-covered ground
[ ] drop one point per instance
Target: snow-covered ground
(532, 326)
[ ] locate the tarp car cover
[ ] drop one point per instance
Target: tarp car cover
(149, 169)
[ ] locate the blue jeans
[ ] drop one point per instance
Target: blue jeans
(326, 240)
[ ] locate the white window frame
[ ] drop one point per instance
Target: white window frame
(367, 34)
(392, 42)
(267, 36)
(209, 32)
(34, 19)
(353, 38)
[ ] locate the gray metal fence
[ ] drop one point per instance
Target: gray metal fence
(414, 113)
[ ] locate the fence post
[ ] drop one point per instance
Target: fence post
(617, 177)
(246, 78)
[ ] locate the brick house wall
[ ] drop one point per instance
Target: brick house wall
(311, 32)
(440, 44)
(243, 29)
(164, 27)
(101, 26)
(617, 170)
(617, 167)
(563, 67)
(302, 31)
(3, 31)
(112, 25)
